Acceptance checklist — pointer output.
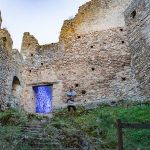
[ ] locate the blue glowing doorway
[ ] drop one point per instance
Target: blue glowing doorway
(43, 96)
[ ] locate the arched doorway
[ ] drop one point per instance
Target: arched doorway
(16, 87)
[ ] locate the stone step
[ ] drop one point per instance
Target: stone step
(31, 128)
(35, 133)
(37, 136)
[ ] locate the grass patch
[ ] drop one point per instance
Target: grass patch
(95, 129)
(13, 117)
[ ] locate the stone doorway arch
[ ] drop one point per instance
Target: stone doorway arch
(16, 87)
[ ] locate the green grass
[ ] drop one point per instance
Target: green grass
(86, 129)
(97, 128)
(10, 133)
(13, 117)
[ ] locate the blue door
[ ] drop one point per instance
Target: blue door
(43, 96)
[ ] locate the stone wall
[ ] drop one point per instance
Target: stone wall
(37, 70)
(10, 67)
(29, 45)
(137, 18)
(6, 41)
(96, 15)
(93, 56)
(97, 55)
(96, 65)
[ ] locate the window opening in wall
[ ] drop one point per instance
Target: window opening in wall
(79, 37)
(31, 54)
(121, 29)
(16, 87)
(76, 85)
(93, 69)
(83, 92)
(122, 42)
(43, 95)
(4, 39)
(29, 70)
(42, 64)
(92, 46)
(123, 78)
(8, 105)
(133, 14)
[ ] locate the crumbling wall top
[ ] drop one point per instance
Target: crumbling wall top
(6, 40)
(29, 44)
(96, 15)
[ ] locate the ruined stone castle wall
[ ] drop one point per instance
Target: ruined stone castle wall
(96, 62)
(96, 65)
(6, 41)
(29, 45)
(97, 55)
(10, 67)
(39, 71)
(138, 25)
(96, 15)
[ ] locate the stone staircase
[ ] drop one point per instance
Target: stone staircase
(35, 136)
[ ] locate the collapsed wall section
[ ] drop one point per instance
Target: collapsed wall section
(137, 18)
(10, 91)
(96, 15)
(29, 45)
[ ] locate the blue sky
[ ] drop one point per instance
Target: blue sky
(42, 18)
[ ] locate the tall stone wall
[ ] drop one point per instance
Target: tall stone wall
(137, 18)
(97, 55)
(96, 62)
(6, 41)
(96, 65)
(10, 68)
(37, 70)
(96, 15)
(29, 45)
